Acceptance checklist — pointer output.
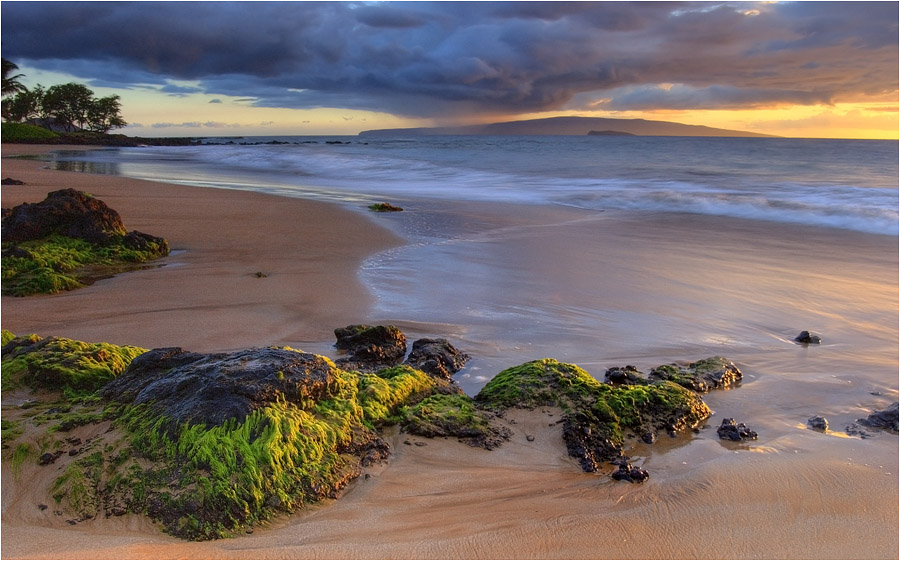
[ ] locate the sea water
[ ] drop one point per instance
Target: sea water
(600, 250)
(849, 184)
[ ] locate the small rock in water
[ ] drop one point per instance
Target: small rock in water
(627, 472)
(807, 338)
(818, 423)
(730, 430)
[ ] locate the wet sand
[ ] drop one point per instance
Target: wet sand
(795, 493)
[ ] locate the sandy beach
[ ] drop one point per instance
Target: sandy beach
(788, 496)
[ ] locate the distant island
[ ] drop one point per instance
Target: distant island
(610, 133)
(576, 126)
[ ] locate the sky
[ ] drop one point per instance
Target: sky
(797, 69)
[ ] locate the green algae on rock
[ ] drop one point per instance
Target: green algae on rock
(57, 363)
(455, 415)
(68, 240)
(596, 414)
(59, 263)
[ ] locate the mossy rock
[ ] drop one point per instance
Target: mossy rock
(701, 376)
(59, 263)
(596, 414)
(57, 363)
(384, 207)
(446, 415)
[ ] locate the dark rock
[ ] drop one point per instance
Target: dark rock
(807, 338)
(11, 181)
(649, 437)
(701, 376)
(210, 389)
(48, 458)
(385, 207)
(436, 357)
(627, 472)
(818, 423)
(66, 212)
(145, 242)
(628, 375)
(591, 448)
(730, 430)
(370, 348)
(886, 419)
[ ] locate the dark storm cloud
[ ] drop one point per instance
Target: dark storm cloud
(431, 59)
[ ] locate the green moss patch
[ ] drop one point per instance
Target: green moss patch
(62, 364)
(59, 263)
(455, 415)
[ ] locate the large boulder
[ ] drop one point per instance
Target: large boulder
(209, 389)
(66, 212)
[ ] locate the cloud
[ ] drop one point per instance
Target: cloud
(216, 100)
(447, 58)
(194, 125)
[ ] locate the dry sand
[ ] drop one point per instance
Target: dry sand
(786, 499)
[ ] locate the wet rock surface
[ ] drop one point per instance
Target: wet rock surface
(877, 421)
(210, 389)
(701, 376)
(818, 423)
(734, 431)
(370, 348)
(807, 338)
(436, 357)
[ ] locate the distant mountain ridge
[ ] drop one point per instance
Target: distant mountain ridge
(576, 126)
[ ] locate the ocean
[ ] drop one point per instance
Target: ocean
(605, 251)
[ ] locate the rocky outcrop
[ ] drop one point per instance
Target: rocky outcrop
(66, 212)
(597, 414)
(209, 389)
(371, 348)
(70, 239)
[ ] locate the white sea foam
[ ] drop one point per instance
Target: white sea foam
(841, 184)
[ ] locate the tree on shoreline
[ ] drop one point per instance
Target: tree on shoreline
(11, 84)
(71, 106)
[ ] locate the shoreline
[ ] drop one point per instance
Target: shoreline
(205, 296)
(789, 496)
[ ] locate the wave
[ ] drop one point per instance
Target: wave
(543, 173)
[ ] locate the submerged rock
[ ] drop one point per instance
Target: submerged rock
(737, 432)
(807, 338)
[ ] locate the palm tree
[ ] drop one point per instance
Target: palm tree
(11, 84)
